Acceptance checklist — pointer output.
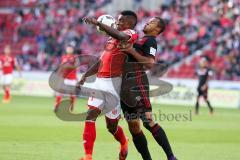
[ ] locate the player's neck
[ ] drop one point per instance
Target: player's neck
(149, 34)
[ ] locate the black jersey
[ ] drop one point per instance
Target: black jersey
(146, 46)
(203, 74)
(135, 86)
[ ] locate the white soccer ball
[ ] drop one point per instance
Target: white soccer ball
(107, 20)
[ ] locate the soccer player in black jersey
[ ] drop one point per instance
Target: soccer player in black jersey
(135, 101)
(203, 75)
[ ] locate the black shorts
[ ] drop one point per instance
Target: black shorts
(138, 112)
(201, 92)
(134, 94)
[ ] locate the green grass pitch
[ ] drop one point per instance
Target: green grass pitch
(29, 130)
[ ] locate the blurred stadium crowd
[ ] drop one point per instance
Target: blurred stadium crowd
(38, 30)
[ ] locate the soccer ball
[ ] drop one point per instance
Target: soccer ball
(107, 20)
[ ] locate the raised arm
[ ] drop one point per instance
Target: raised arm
(109, 30)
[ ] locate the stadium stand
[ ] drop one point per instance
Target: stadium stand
(38, 31)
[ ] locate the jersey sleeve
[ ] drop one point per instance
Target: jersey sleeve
(150, 47)
(133, 35)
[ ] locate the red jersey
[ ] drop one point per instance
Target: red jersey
(7, 64)
(70, 61)
(112, 59)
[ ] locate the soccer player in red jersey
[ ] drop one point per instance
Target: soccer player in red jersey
(69, 74)
(7, 64)
(109, 71)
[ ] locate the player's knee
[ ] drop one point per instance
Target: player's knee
(134, 128)
(93, 114)
(112, 125)
(147, 125)
(112, 128)
(205, 98)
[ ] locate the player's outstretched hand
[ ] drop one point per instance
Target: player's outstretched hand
(125, 47)
(90, 20)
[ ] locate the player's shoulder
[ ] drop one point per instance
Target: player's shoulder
(150, 39)
(9, 58)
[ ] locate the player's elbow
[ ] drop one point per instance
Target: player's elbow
(150, 64)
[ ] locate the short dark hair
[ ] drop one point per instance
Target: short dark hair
(161, 24)
(132, 14)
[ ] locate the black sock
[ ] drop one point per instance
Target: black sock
(140, 143)
(197, 107)
(209, 106)
(161, 138)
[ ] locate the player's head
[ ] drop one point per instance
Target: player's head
(7, 50)
(154, 26)
(203, 62)
(69, 49)
(126, 20)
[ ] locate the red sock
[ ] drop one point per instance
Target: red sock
(120, 136)
(58, 99)
(7, 92)
(73, 98)
(89, 136)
